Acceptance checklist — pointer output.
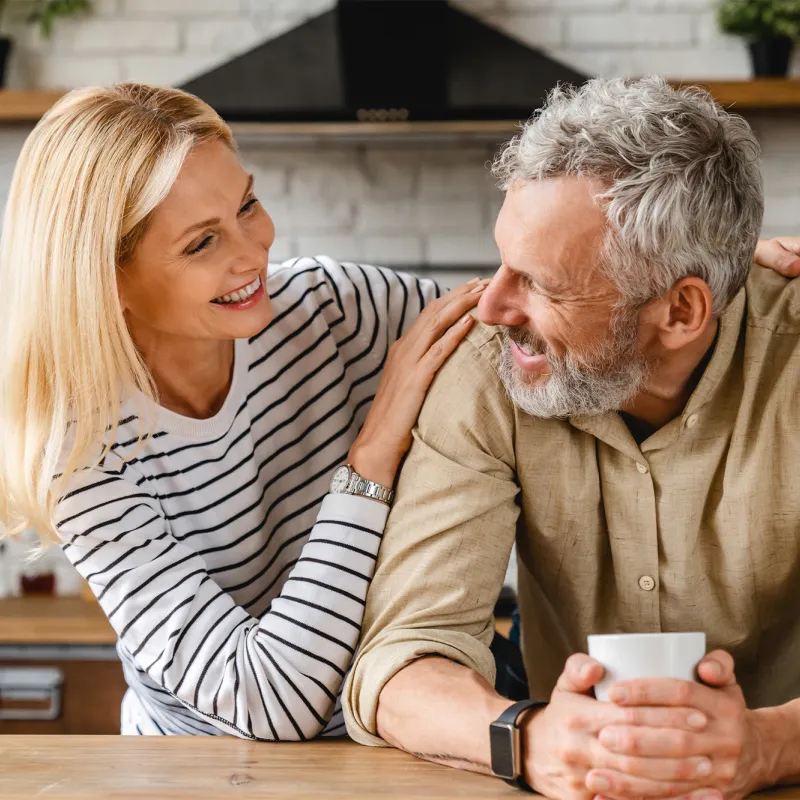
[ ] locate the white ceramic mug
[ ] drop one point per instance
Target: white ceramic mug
(627, 656)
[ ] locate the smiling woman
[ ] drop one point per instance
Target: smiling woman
(172, 409)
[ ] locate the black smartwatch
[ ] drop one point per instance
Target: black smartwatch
(506, 744)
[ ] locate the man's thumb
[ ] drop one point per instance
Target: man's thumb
(580, 674)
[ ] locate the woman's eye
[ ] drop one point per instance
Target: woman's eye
(200, 247)
(248, 205)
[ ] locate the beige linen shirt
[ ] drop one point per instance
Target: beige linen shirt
(697, 529)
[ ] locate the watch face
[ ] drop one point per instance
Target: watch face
(501, 738)
(340, 479)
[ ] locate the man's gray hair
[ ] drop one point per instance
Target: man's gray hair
(682, 185)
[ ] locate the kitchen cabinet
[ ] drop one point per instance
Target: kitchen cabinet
(59, 671)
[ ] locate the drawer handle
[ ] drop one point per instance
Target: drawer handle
(30, 693)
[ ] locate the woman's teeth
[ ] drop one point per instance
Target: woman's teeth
(240, 295)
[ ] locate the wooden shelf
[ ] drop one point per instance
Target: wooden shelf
(26, 106)
(765, 93)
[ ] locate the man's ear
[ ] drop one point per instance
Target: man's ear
(682, 314)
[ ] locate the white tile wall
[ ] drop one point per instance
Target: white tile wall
(406, 205)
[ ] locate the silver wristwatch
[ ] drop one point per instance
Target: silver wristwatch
(347, 481)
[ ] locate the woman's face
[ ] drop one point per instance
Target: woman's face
(199, 271)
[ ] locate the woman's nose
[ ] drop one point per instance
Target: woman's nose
(253, 253)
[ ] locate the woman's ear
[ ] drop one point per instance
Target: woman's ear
(683, 314)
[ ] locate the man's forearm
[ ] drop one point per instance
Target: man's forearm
(440, 711)
(782, 724)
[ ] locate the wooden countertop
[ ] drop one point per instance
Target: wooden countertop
(71, 620)
(54, 621)
(168, 768)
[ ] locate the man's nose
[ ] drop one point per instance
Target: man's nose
(501, 302)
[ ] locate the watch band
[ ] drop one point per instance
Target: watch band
(507, 727)
(365, 488)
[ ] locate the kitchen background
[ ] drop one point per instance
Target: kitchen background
(427, 205)
(396, 203)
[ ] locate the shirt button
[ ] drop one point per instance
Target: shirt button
(691, 420)
(647, 583)
(641, 467)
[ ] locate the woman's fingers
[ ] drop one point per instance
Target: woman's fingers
(441, 349)
(780, 254)
(440, 316)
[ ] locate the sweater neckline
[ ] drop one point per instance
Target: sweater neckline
(190, 427)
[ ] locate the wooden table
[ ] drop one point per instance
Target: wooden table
(115, 767)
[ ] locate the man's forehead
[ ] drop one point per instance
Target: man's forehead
(552, 227)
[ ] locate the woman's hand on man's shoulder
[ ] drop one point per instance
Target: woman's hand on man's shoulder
(781, 254)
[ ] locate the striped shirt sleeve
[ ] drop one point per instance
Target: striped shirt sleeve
(380, 298)
(273, 678)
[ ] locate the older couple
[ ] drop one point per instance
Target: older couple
(627, 413)
(626, 410)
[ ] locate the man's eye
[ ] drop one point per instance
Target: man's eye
(248, 205)
(200, 247)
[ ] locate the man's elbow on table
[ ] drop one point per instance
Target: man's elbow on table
(440, 711)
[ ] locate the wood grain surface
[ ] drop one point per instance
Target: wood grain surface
(202, 768)
(54, 620)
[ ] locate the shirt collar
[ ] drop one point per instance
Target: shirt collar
(611, 428)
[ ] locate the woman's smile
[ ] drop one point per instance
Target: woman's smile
(243, 298)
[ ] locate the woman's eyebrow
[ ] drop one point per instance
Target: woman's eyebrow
(206, 223)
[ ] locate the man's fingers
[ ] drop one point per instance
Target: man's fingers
(580, 674)
(666, 692)
(611, 783)
(656, 742)
(685, 719)
(717, 669)
(694, 770)
(699, 794)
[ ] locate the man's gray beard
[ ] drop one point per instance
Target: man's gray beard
(601, 381)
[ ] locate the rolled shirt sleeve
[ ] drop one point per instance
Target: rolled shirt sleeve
(449, 535)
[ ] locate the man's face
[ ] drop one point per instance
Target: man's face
(568, 348)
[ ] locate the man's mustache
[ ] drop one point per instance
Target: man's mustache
(535, 343)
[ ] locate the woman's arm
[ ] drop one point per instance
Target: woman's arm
(410, 328)
(273, 678)
(276, 677)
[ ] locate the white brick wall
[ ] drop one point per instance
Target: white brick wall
(396, 204)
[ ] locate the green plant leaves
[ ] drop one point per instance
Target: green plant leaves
(760, 19)
(43, 13)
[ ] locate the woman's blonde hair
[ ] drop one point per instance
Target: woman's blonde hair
(86, 183)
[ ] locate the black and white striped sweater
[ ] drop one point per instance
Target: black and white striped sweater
(235, 585)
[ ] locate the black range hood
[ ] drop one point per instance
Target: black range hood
(384, 60)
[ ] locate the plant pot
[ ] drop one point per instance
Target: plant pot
(771, 56)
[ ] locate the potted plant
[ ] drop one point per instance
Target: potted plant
(770, 27)
(42, 13)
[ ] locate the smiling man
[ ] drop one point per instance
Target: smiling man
(631, 418)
